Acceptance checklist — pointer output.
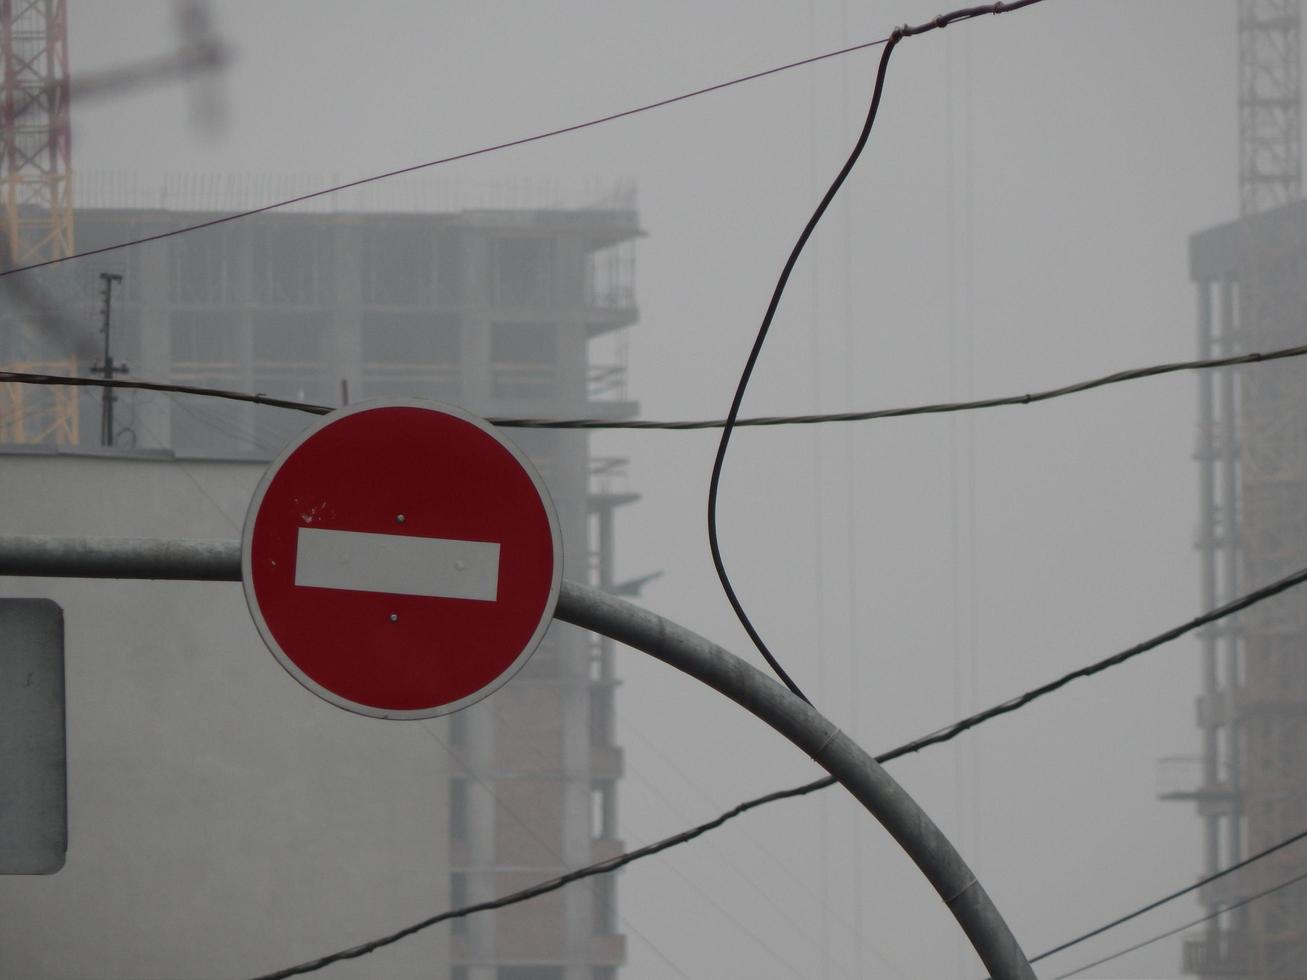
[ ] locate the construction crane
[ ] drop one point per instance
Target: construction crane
(36, 171)
(1270, 104)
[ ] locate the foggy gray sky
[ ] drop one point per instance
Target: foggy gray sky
(1018, 220)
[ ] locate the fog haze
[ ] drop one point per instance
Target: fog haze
(1019, 220)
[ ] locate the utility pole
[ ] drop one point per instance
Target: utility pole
(107, 369)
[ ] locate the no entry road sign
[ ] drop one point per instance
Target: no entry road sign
(401, 559)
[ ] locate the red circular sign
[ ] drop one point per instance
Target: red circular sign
(401, 559)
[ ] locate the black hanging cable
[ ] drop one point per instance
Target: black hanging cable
(936, 408)
(937, 737)
(1188, 925)
(714, 482)
(1157, 903)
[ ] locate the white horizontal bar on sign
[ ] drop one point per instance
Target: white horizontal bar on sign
(400, 564)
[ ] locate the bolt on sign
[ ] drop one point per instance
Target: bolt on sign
(401, 559)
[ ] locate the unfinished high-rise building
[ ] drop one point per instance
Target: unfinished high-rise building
(1249, 782)
(1251, 789)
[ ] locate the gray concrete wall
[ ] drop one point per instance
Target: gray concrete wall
(223, 821)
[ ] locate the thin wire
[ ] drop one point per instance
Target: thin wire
(796, 881)
(199, 485)
(467, 154)
(817, 621)
(1012, 704)
(934, 738)
(129, 428)
(488, 784)
(952, 330)
(1188, 925)
(973, 620)
(44, 313)
(1167, 898)
(940, 408)
(234, 430)
(850, 537)
(14, 418)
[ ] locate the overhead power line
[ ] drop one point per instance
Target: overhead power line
(939, 736)
(714, 481)
(1188, 925)
(950, 732)
(22, 377)
(1158, 903)
(452, 158)
(214, 58)
(938, 408)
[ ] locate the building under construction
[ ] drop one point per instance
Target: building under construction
(503, 312)
(1250, 784)
(1252, 453)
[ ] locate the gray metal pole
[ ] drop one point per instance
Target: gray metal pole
(662, 639)
(50, 557)
(829, 747)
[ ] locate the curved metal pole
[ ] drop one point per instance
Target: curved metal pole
(829, 747)
(642, 630)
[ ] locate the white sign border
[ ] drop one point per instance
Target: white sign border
(247, 545)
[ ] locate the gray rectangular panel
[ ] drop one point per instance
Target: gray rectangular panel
(33, 780)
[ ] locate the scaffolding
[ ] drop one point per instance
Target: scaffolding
(1215, 788)
(1251, 787)
(1251, 275)
(1270, 713)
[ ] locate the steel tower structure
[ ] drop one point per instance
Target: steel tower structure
(36, 172)
(1251, 790)
(35, 130)
(1270, 104)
